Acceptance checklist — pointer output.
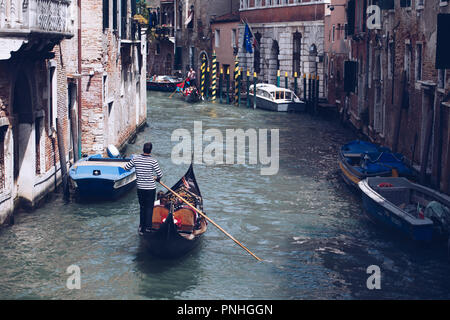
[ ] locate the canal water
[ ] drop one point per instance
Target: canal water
(305, 224)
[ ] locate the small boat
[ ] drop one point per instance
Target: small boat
(191, 95)
(163, 83)
(96, 177)
(418, 212)
(176, 228)
(360, 159)
(273, 98)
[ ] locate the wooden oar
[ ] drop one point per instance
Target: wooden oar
(207, 218)
(173, 93)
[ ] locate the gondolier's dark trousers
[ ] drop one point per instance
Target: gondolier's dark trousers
(146, 201)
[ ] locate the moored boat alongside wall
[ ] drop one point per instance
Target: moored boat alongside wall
(273, 98)
(420, 213)
(360, 159)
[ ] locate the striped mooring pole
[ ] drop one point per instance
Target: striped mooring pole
(236, 80)
(203, 75)
(214, 77)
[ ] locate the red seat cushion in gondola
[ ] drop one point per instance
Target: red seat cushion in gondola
(159, 214)
(187, 218)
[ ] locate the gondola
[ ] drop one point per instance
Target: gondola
(191, 95)
(176, 228)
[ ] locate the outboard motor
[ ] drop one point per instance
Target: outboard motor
(112, 151)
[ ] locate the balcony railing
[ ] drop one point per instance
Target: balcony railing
(34, 15)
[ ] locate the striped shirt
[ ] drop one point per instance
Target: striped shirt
(146, 167)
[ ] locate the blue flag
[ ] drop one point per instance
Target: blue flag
(248, 39)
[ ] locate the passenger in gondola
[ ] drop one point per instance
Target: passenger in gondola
(146, 168)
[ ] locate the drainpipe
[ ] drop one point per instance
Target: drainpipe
(79, 80)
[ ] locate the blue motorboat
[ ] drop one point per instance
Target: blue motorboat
(103, 178)
(418, 212)
(360, 159)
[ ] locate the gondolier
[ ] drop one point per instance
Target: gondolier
(192, 77)
(146, 167)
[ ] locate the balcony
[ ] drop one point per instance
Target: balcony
(26, 16)
(31, 22)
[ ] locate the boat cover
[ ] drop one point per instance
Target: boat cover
(440, 213)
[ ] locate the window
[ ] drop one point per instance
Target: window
(53, 96)
(418, 61)
(258, 3)
(332, 33)
(217, 38)
(105, 88)
(390, 61)
(350, 18)
(115, 14)
(233, 38)
(105, 14)
(123, 21)
(405, 3)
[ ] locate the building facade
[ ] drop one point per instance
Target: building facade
(289, 38)
(225, 42)
(161, 37)
(397, 93)
(336, 50)
(33, 95)
(193, 33)
(72, 81)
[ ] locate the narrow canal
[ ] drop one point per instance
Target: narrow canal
(304, 222)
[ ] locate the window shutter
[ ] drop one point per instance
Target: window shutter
(442, 43)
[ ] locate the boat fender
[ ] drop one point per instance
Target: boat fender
(112, 151)
(385, 185)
